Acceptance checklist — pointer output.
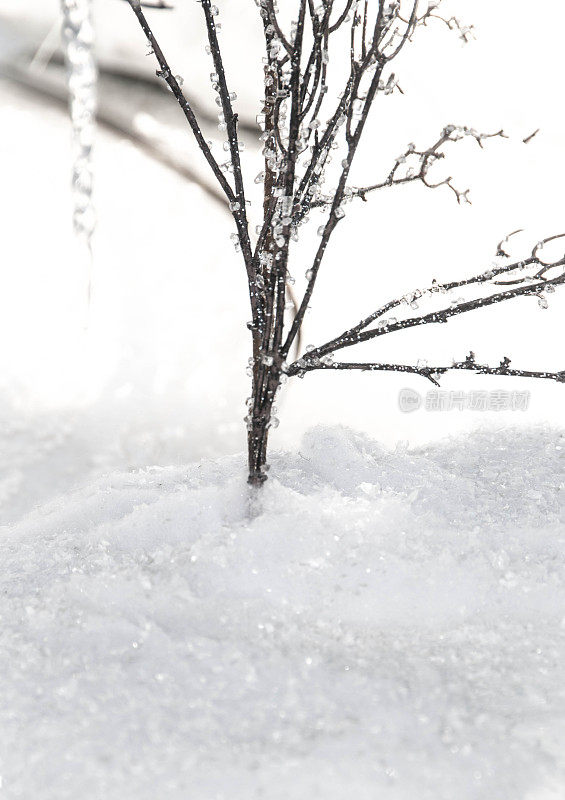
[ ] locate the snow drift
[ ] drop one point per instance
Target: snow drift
(383, 624)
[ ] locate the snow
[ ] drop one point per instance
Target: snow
(381, 623)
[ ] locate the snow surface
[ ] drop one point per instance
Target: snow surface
(382, 624)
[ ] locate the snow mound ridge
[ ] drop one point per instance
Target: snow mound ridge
(380, 624)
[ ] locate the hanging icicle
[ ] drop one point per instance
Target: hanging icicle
(78, 42)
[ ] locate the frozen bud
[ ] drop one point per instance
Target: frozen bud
(339, 213)
(179, 79)
(309, 274)
(235, 206)
(267, 360)
(235, 241)
(286, 205)
(542, 301)
(357, 108)
(321, 230)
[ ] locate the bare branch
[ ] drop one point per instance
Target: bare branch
(434, 373)
(534, 285)
(529, 138)
(466, 32)
(425, 159)
(173, 83)
(158, 4)
(220, 84)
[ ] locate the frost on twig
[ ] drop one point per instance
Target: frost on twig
(414, 164)
(532, 276)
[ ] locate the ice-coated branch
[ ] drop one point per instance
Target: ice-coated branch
(466, 32)
(236, 199)
(432, 373)
(370, 53)
(174, 84)
(424, 160)
(237, 206)
(342, 17)
(155, 4)
(535, 285)
(414, 165)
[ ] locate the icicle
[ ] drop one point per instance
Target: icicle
(78, 43)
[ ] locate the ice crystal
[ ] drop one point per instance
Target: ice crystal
(78, 43)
